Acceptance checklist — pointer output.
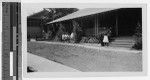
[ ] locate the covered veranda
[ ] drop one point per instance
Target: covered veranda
(122, 21)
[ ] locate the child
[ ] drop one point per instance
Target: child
(105, 40)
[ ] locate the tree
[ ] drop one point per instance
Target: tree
(55, 13)
(77, 30)
(51, 14)
(59, 33)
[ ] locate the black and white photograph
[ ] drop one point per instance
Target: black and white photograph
(84, 40)
(43, 40)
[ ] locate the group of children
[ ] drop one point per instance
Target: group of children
(66, 37)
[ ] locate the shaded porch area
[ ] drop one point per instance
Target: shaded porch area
(122, 23)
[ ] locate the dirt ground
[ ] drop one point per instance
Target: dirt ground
(88, 60)
(40, 64)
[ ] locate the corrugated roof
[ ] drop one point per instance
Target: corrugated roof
(81, 13)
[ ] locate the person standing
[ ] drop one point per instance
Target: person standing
(105, 38)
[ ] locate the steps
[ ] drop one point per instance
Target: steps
(125, 42)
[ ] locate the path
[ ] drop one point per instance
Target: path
(44, 65)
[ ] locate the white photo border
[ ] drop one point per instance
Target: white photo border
(83, 74)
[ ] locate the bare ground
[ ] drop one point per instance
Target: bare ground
(88, 60)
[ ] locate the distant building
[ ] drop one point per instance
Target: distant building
(35, 24)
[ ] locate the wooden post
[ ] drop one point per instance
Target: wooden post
(116, 24)
(96, 24)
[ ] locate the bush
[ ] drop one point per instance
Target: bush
(48, 35)
(93, 40)
(100, 37)
(138, 37)
(138, 44)
(84, 40)
(39, 39)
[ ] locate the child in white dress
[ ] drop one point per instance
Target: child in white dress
(105, 40)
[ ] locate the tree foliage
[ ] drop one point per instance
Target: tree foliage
(77, 30)
(59, 33)
(55, 13)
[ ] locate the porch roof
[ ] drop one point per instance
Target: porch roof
(82, 13)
